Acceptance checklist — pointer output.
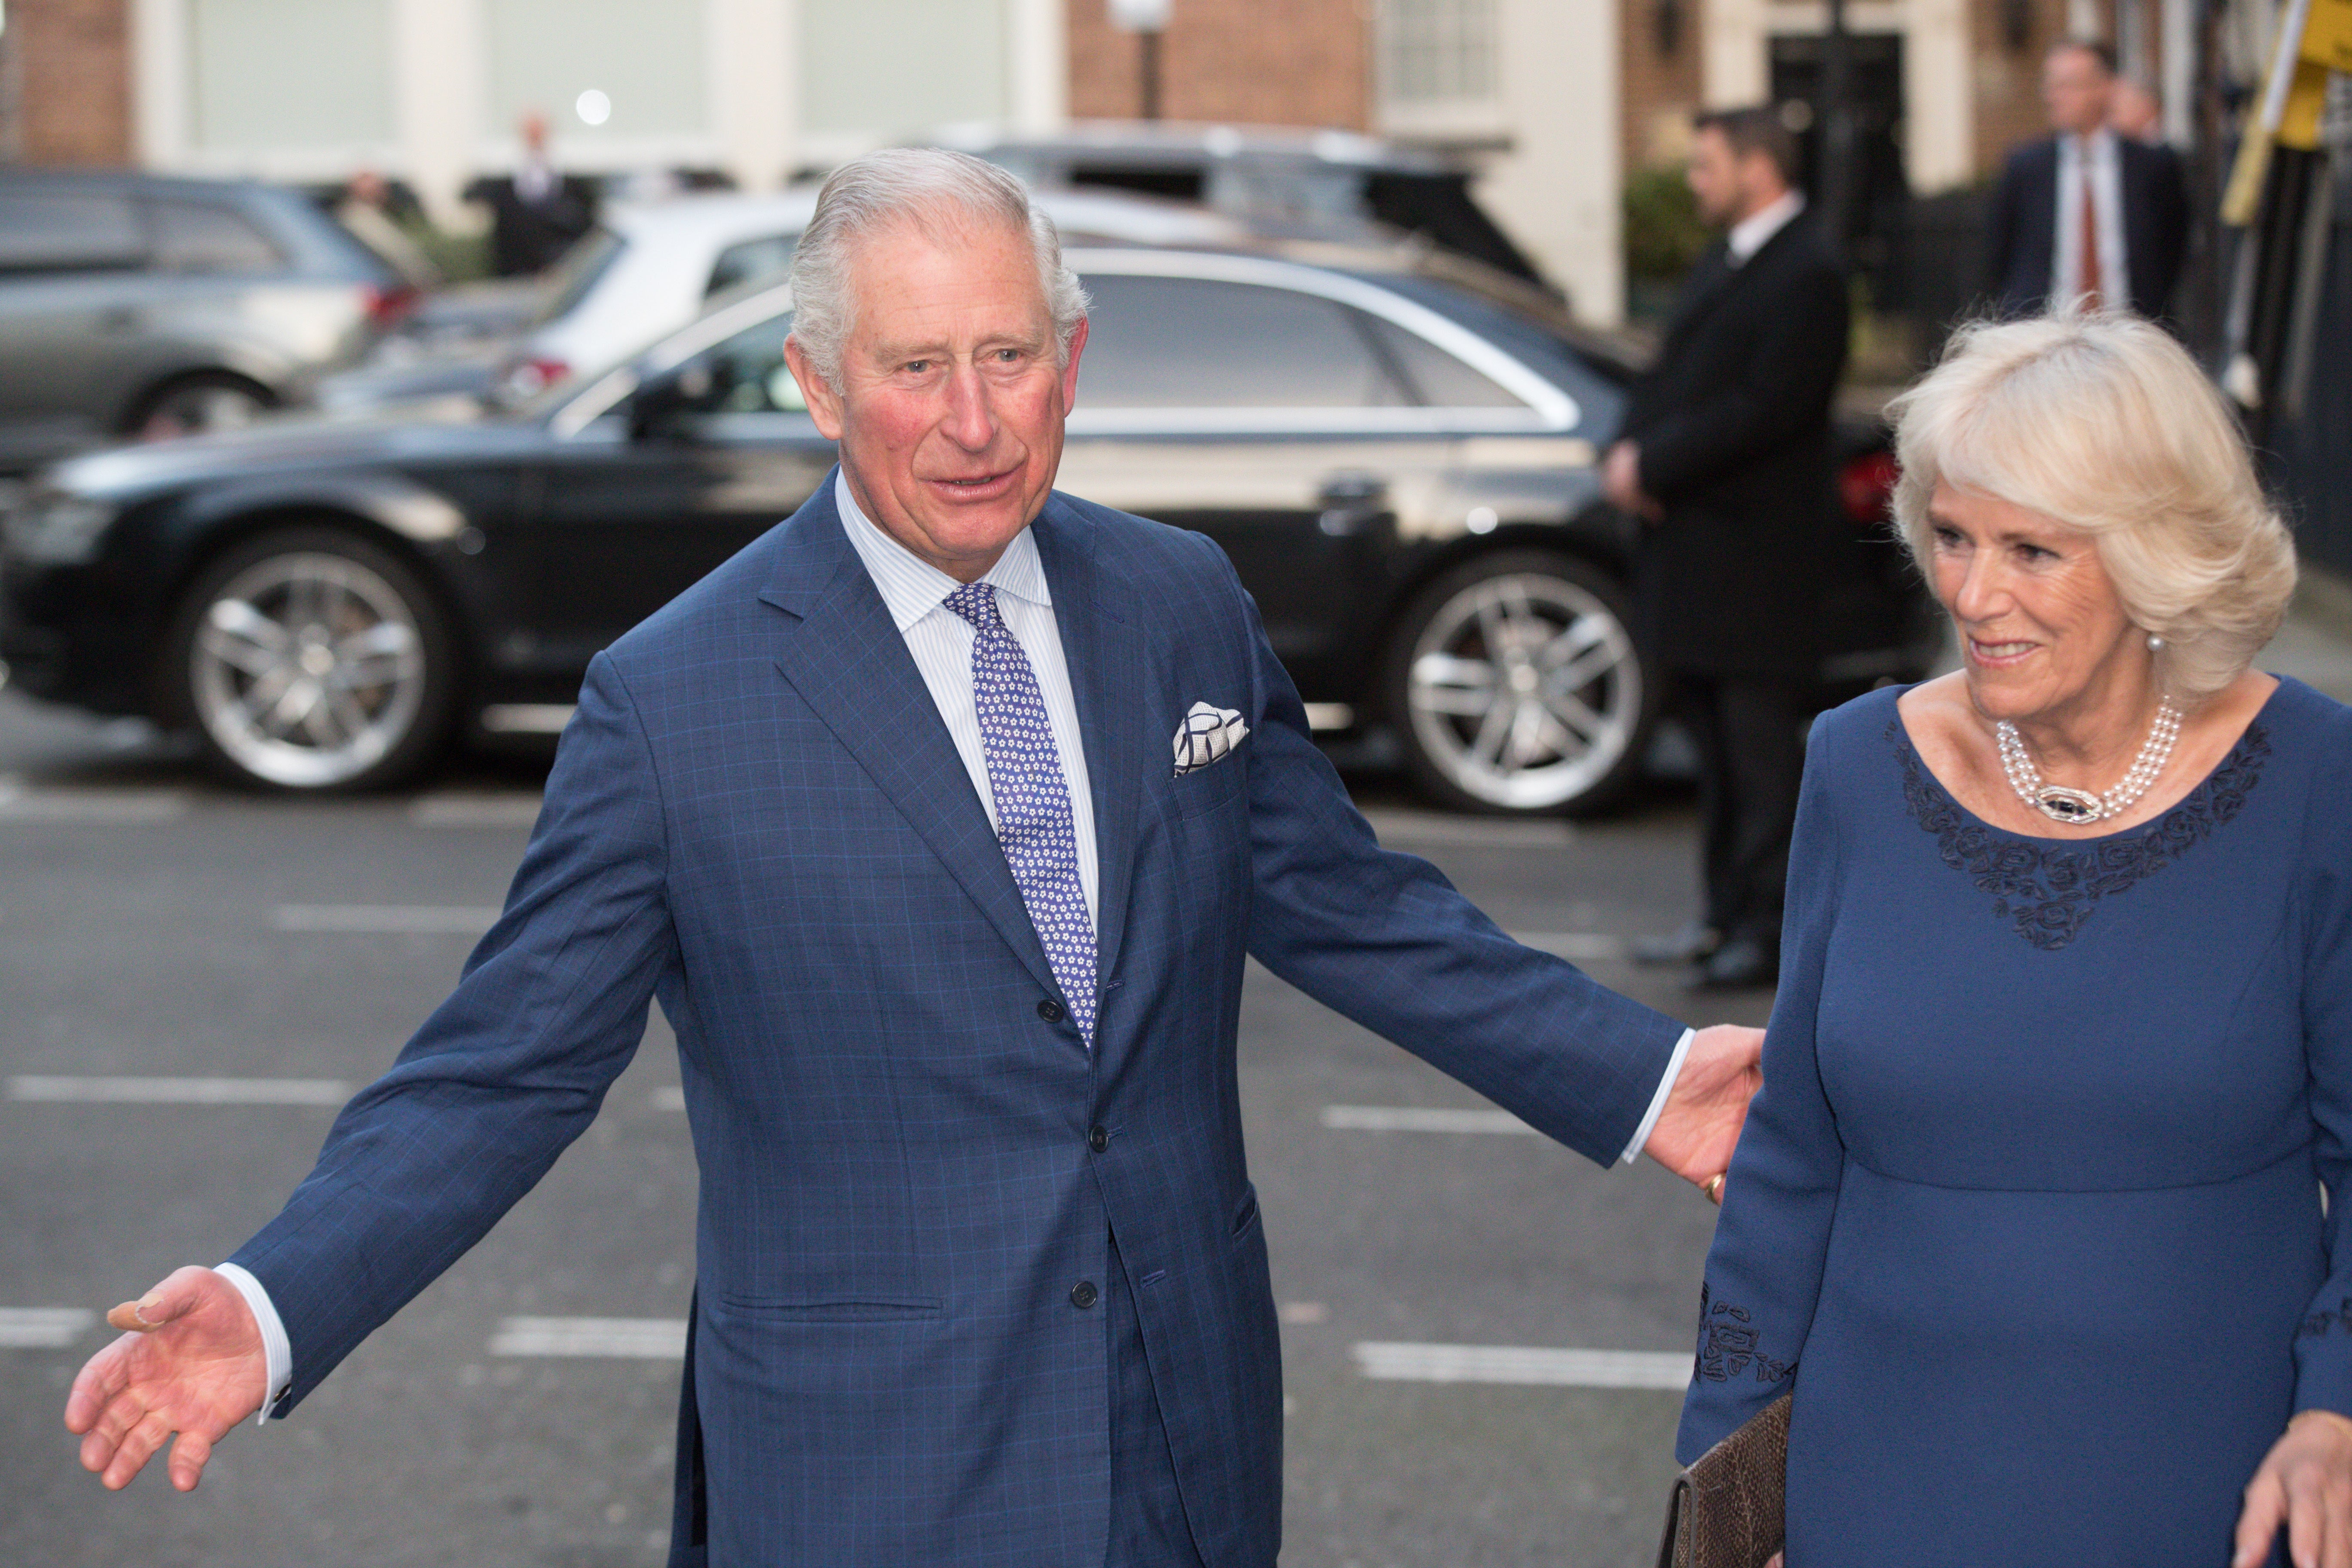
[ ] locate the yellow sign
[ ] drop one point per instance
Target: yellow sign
(2327, 36)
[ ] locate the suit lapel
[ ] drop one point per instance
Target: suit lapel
(1095, 612)
(848, 662)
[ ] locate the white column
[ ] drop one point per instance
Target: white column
(1557, 191)
(1939, 97)
(755, 82)
(1734, 69)
(159, 83)
(439, 91)
(2178, 19)
(1037, 65)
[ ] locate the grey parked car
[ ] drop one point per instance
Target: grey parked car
(143, 305)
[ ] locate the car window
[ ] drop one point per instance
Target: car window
(204, 237)
(66, 231)
(1440, 379)
(749, 259)
(743, 375)
(577, 270)
(1188, 343)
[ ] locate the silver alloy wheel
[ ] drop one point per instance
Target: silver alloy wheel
(307, 669)
(1524, 690)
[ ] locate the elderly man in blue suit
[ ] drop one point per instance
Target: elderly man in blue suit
(939, 820)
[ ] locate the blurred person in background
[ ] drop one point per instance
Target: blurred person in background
(940, 820)
(2041, 1216)
(2134, 112)
(536, 212)
(2085, 216)
(1726, 459)
(366, 213)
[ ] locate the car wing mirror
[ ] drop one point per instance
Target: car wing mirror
(659, 410)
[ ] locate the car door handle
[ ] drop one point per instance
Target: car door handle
(1349, 501)
(120, 318)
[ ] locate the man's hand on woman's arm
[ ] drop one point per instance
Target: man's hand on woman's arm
(1700, 1125)
(2305, 1484)
(192, 1361)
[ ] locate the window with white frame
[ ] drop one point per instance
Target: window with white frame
(599, 69)
(1437, 51)
(282, 75)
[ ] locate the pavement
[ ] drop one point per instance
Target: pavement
(1484, 1335)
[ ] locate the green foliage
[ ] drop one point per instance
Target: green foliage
(1662, 232)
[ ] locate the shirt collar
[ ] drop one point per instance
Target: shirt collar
(911, 588)
(2100, 143)
(1749, 234)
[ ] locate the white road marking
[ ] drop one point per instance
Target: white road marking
(20, 802)
(640, 1339)
(385, 919)
(1420, 1118)
(669, 1097)
(1524, 1364)
(1396, 826)
(43, 1328)
(1576, 946)
(454, 810)
(182, 1090)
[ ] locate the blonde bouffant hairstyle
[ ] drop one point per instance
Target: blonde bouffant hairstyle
(2103, 424)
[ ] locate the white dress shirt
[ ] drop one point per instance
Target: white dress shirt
(914, 590)
(2107, 190)
(1749, 235)
(940, 640)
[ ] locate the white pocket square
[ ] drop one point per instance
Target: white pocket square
(1206, 735)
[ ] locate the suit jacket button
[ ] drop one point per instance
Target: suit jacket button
(1097, 1140)
(1084, 1295)
(1050, 1010)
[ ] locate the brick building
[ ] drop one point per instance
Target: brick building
(1557, 98)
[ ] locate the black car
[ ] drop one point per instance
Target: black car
(1402, 470)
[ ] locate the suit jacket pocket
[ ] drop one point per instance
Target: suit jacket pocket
(838, 1310)
(1207, 788)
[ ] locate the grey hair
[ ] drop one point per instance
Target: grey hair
(2103, 424)
(931, 189)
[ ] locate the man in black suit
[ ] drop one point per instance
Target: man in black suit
(1725, 454)
(2085, 214)
(536, 212)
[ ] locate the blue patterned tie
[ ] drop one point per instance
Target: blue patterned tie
(1033, 799)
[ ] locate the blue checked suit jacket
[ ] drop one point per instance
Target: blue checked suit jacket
(757, 817)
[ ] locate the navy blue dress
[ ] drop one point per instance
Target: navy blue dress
(2028, 1214)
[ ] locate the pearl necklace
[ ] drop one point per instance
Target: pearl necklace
(2080, 806)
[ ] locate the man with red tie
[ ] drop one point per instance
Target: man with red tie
(2085, 215)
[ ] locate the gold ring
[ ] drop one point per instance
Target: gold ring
(1714, 1188)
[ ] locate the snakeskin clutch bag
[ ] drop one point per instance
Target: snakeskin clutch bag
(1726, 1508)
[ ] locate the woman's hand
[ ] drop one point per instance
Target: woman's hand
(2305, 1484)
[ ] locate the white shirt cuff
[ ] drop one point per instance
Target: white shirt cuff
(274, 1345)
(1657, 1102)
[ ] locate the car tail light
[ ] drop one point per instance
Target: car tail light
(534, 373)
(1867, 486)
(387, 303)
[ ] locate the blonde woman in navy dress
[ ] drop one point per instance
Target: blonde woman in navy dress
(2029, 1212)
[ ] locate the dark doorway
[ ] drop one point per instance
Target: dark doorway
(1877, 203)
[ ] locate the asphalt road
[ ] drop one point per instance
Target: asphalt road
(263, 956)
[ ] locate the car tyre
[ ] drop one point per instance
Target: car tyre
(1516, 688)
(199, 404)
(312, 659)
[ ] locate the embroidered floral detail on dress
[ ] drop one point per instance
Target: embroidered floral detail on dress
(2049, 889)
(1727, 1346)
(2316, 1326)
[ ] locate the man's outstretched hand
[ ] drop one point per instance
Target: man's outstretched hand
(1700, 1124)
(191, 1363)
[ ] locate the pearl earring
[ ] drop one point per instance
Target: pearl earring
(2154, 643)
